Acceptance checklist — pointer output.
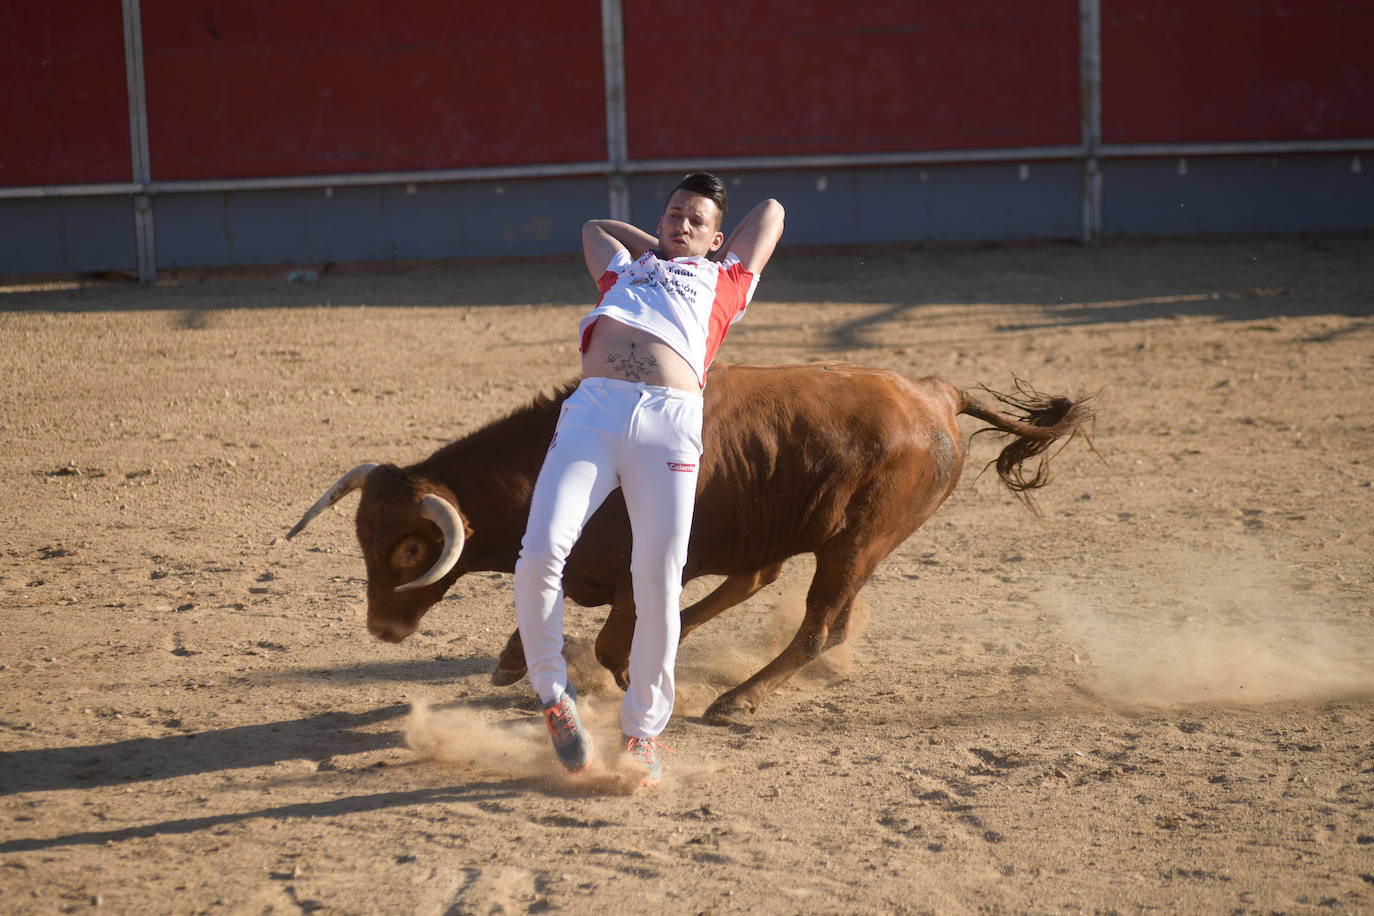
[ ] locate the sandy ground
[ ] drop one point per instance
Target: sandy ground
(1157, 696)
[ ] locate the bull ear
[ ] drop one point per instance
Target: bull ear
(342, 487)
(442, 513)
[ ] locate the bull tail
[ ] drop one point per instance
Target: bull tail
(1035, 422)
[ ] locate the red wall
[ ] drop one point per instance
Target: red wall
(265, 87)
(287, 87)
(64, 115)
(779, 78)
(1233, 70)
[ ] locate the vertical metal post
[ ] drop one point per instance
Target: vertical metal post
(617, 143)
(1090, 86)
(138, 140)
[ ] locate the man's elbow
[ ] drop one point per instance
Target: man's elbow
(772, 217)
(772, 213)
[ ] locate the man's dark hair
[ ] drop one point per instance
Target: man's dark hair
(708, 186)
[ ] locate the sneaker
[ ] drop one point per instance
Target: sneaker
(644, 753)
(571, 741)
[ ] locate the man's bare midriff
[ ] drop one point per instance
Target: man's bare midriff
(620, 351)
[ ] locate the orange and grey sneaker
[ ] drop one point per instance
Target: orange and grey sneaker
(571, 741)
(644, 753)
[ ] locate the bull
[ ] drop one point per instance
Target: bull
(841, 461)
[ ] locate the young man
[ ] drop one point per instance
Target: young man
(634, 422)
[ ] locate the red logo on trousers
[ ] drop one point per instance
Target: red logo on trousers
(681, 466)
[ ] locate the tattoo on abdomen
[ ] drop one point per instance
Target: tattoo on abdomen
(632, 367)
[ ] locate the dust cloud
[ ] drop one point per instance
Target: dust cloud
(728, 651)
(1219, 630)
(514, 744)
(724, 653)
(468, 741)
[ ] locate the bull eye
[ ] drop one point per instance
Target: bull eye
(410, 553)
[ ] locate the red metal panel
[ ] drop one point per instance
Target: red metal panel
(1233, 70)
(64, 116)
(264, 87)
(829, 77)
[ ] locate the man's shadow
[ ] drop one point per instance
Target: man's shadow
(487, 793)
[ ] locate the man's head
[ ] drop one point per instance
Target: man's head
(692, 217)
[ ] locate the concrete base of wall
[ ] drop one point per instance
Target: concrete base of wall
(1000, 201)
(1237, 195)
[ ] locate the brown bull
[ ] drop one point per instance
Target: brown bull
(840, 461)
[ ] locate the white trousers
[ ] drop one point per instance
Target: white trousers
(645, 439)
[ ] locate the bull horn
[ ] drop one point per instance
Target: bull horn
(441, 512)
(342, 487)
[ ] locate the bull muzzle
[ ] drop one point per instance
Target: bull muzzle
(390, 632)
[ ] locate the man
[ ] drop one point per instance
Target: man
(635, 422)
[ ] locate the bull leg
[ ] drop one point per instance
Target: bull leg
(510, 665)
(734, 590)
(828, 602)
(617, 633)
(839, 628)
(613, 642)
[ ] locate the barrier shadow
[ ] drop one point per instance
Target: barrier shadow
(1233, 278)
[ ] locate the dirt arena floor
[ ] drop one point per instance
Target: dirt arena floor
(1158, 696)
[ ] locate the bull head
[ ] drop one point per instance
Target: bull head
(395, 544)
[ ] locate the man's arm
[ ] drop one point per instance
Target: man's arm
(602, 238)
(756, 236)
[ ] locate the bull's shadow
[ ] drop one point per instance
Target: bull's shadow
(316, 737)
(140, 759)
(398, 672)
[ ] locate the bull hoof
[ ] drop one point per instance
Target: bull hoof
(504, 677)
(728, 710)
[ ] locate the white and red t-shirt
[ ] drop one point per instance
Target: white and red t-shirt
(688, 303)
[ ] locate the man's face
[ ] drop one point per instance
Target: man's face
(690, 225)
